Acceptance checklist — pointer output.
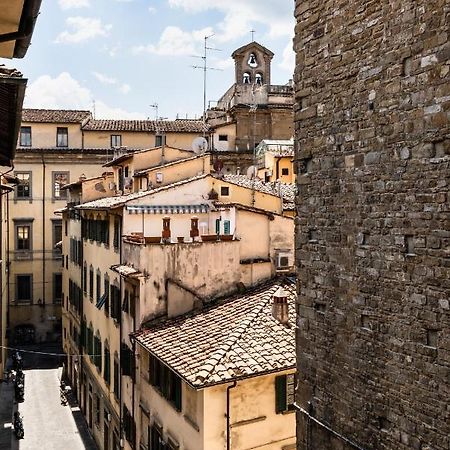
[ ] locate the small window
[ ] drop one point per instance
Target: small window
(23, 237)
(284, 393)
(224, 191)
(159, 177)
(62, 137)
(107, 365)
(91, 282)
(24, 288)
(246, 78)
(57, 237)
(226, 227)
(116, 377)
(116, 140)
(259, 79)
(284, 171)
(59, 180)
(23, 189)
(160, 140)
(57, 288)
(25, 136)
(223, 137)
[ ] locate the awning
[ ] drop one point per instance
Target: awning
(167, 209)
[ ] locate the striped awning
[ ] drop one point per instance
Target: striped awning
(167, 209)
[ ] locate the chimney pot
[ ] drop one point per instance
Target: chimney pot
(280, 309)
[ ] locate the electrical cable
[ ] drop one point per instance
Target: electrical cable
(47, 353)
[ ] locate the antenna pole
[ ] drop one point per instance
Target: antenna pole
(253, 35)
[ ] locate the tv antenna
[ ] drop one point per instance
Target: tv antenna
(155, 107)
(205, 69)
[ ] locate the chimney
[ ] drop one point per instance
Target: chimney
(280, 306)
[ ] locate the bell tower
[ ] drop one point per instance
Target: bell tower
(252, 64)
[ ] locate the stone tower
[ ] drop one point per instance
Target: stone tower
(372, 92)
(252, 64)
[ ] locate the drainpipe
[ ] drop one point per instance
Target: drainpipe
(231, 386)
(277, 171)
(43, 229)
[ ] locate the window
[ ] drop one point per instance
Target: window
(106, 294)
(25, 136)
(24, 289)
(160, 140)
(23, 189)
(226, 227)
(224, 191)
(223, 137)
(62, 137)
(107, 365)
(218, 226)
(156, 438)
(129, 427)
(116, 140)
(59, 180)
(98, 352)
(97, 409)
(284, 393)
(166, 381)
(259, 79)
(57, 237)
(116, 377)
(57, 288)
(246, 78)
(116, 239)
(115, 302)
(91, 282)
(23, 237)
(127, 361)
(98, 286)
(84, 280)
(284, 171)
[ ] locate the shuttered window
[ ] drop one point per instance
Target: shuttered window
(107, 366)
(284, 393)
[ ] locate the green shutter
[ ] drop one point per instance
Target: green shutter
(107, 367)
(217, 226)
(226, 227)
(280, 394)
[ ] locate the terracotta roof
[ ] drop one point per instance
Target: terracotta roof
(55, 115)
(126, 271)
(119, 200)
(230, 339)
(167, 126)
(285, 190)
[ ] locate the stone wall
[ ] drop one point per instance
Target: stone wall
(373, 158)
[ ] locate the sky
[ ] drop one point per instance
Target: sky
(123, 56)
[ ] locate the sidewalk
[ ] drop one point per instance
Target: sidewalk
(6, 413)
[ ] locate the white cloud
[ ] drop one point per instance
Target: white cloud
(125, 88)
(175, 42)
(69, 4)
(104, 79)
(288, 61)
(83, 29)
(240, 16)
(65, 92)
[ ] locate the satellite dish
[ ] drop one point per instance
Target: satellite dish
(199, 145)
(252, 171)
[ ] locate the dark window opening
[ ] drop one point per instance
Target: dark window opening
(62, 137)
(24, 288)
(284, 171)
(224, 191)
(223, 137)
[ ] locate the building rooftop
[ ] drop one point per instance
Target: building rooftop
(153, 126)
(55, 115)
(285, 190)
(233, 338)
(279, 148)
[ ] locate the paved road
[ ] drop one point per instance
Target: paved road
(48, 424)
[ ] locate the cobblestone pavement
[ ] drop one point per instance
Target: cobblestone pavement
(47, 424)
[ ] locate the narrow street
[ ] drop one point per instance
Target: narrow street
(47, 423)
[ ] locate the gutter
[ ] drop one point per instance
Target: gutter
(231, 386)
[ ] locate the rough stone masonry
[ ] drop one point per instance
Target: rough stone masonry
(373, 229)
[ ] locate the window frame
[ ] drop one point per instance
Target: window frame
(30, 278)
(224, 189)
(22, 128)
(57, 252)
(57, 301)
(20, 224)
(16, 193)
(285, 171)
(62, 194)
(114, 137)
(223, 137)
(59, 133)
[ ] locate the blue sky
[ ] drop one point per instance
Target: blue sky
(129, 54)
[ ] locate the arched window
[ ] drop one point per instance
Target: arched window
(252, 61)
(246, 79)
(259, 79)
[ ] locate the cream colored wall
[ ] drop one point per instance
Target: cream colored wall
(137, 139)
(270, 165)
(43, 135)
(42, 201)
(102, 258)
(252, 400)
(97, 188)
(182, 171)
(230, 131)
(176, 424)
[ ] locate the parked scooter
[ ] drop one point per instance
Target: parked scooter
(18, 426)
(19, 390)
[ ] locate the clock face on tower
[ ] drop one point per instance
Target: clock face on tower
(252, 61)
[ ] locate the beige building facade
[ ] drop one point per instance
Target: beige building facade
(58, 147)
(146, 253)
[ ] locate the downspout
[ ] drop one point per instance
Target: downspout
(231, 386)
(43, 229)
(120, 335)
(277, 170)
